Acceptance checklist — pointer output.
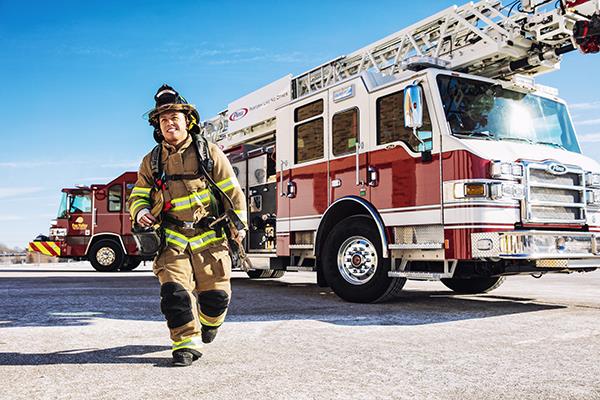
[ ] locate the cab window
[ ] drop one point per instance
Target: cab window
(115, 198)
(344, 132)
(390, 121)
(81, 202)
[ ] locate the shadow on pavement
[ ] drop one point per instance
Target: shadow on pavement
(116, 355)
(77, 300)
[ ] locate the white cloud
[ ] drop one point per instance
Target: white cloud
(128, 164)
(585, 122)
(592, 105)
(8, 217)
(589, 138)
(18, 191)
(37, 164)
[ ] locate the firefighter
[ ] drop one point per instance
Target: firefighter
(174, 195)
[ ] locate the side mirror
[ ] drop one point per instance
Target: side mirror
(413, 107)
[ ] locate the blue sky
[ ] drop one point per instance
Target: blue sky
(77, 77)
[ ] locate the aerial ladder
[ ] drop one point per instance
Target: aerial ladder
(486, 38)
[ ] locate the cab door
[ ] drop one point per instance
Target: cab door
(404, 167)
(348, 141)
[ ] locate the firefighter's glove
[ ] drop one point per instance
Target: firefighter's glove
(145, 218)
(241, 234)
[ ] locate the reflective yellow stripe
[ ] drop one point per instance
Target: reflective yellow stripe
(186, 202)
(227, 184)
(242, 214)
(218, 321)
(190, 343)
(139, 204)
(141, 192)
(176, 234)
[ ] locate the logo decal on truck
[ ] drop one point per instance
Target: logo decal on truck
(79, 224)
(239, 114)
(557, 169)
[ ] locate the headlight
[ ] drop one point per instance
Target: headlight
(470, 190)
(491, 190)
(58, 232)
(592, 179)
(593, 197)
(505, 170)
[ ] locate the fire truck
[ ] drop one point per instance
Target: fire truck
(93, 224)
(430, 154)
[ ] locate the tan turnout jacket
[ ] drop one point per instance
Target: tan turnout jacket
(187, 200)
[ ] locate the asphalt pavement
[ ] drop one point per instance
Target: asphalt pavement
(68, 332)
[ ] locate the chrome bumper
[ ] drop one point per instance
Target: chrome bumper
(549, 249)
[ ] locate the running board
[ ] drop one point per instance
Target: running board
(416, 246)
(420, 276)
(295, 268)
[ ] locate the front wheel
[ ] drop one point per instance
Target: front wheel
(353, 262)
(474, 285)
(106, 256)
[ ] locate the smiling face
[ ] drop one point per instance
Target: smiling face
(173, 127)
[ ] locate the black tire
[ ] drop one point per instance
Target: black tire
(360, 281)
(259, 273)
(277, 273)
(130, 263)
(106, 255)
(474, 285)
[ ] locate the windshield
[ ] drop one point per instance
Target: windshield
(486, 111)
(81, 202)
(62, 209)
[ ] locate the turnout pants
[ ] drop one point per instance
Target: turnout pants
(194, 290)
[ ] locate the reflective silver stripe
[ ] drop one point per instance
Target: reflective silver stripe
(226, 185)
(175, 238)
(204, 240)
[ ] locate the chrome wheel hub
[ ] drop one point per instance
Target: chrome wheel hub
(106, 256)
(357, 260)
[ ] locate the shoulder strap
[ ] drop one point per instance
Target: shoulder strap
(155, 162)
(207, 163)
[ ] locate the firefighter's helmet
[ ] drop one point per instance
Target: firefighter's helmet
(168, 99)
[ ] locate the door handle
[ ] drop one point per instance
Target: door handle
(359, 182)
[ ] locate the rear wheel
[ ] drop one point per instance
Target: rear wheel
(259, 273)
(353, 262)
(277, 273)
(106, 255)
(474, 285)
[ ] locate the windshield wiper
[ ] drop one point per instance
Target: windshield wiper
(485, 134)
(517, 139)
(560, 146)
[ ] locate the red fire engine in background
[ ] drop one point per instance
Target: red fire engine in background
(93, 224)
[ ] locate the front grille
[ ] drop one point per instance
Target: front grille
(551, 197)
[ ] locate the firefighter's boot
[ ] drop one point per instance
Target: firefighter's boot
(185, 357)
(209, 333)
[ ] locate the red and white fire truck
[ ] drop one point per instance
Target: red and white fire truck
(430, 154)
(93, 224)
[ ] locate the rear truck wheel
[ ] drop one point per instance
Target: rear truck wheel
(473, 285)
(106, 255)
(130, 263)
(277, 273)
(260, 273)
(353, 262)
